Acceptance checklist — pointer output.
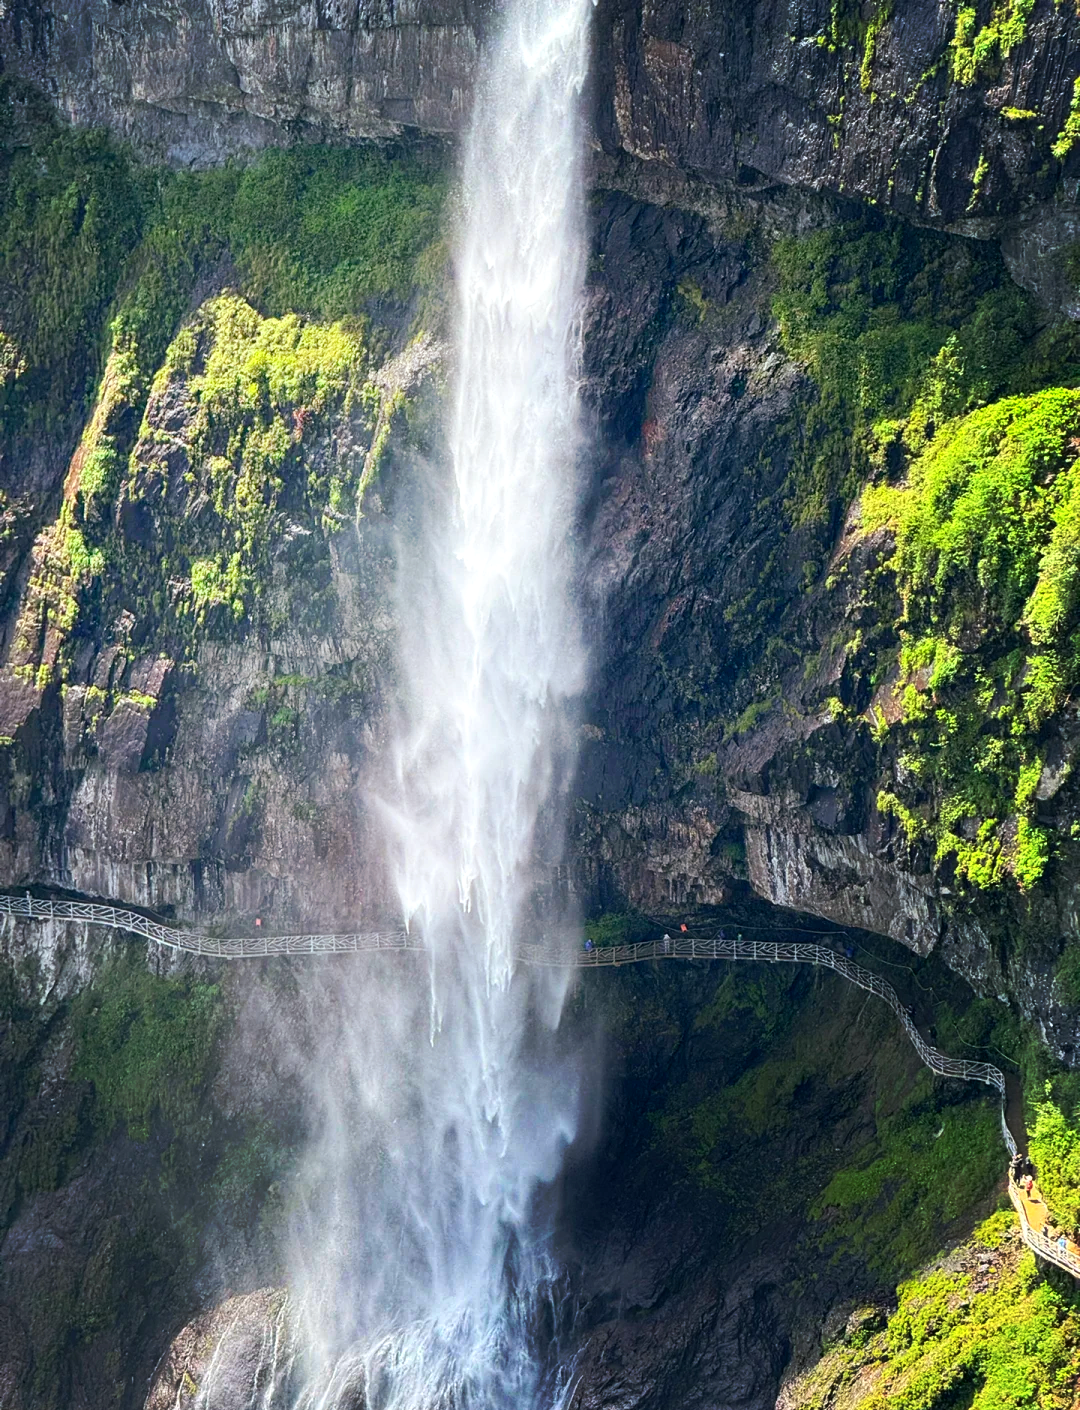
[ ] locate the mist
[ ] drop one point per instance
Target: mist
(443, 1098)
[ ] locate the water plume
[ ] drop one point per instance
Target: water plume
(447, 1101)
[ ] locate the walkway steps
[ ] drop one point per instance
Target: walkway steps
(1067, 1258)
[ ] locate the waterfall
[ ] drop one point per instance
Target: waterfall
(448, 1099)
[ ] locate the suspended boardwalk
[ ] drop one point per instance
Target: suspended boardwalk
(680, 947)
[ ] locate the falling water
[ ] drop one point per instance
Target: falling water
(447, 1100)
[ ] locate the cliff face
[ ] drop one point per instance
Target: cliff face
(194, 693)
(953, 117)
(211, 424)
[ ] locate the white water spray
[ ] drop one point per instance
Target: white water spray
(422, 1267)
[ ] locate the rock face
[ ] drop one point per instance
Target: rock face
(199, 82)
(888, 103)
(235, 1357)
(226, 785)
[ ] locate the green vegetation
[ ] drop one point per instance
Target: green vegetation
(280, 418)
(72, 209)
(899, 330)
(1067, 137)
(978, 52)
(929, 1151)
(98, 252)
(255, 389)
(928, 1164)
(619, 928)
(908, 339)
(147, 1045)
(880, 18)
(987, 562)
(999, 1339)
(1055, 1148)
(323, 230)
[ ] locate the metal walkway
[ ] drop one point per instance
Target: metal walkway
(680, 947)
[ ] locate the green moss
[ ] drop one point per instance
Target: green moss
(977, 51)
(1067, 137)
(72, 208)
(693, 299)
(147, 1045)
(749, 718)
(618, 928)
(927, 1165)
(988, 567)
(263, 385)
(982, 170)
(321, 230)
(1002, 1340)
(880, 18)
(899, 329)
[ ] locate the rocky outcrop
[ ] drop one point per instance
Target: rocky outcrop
(226, 784)
(236, 1356)
(693, 780)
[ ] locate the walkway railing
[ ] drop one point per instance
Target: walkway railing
(672, 948)
(1039, 1242)
(678, 948)
(791, 952)
(198, 942)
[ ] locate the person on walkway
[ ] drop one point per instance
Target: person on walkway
(588, 946)
(1028, 1183)
(1063, 1242)
(1045, 1230)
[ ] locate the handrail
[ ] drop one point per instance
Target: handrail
(1038, 1242)
(682, 947)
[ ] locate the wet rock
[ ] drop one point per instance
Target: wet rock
(237, 1356)
(869, 108)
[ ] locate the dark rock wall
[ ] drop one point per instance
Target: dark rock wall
(853, 99)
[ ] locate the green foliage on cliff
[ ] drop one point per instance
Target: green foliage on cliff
(99, 252)
(1069, 135)
(147, 1045)
(1054, 1140)
(619, 928)
(322, 230)
(828, 1118)
(100, 260)
(929, 364)
(977, 50)
(900, 330)
(252, 388)
(980, 1330)
(928, 1164)
(987, 561)
(72, 209)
